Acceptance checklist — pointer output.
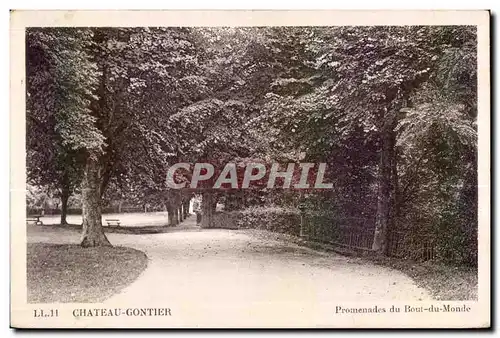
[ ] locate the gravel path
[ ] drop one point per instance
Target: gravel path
(208, 276)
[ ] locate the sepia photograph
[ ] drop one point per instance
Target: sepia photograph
(251, 175)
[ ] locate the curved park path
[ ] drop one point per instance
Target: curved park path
(215, 277)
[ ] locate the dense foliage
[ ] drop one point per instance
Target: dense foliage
(391, 110)
(276, 219)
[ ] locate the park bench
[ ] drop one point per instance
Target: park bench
(35, 219)
(112, 222)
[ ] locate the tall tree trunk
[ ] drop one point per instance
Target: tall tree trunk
(169, 216)
(172, 219)
(392, 224)
(385, 199)
(105, 175)
(185, 209)
(64, 203)
(179, 211)
(207, 210)
(92, 233)
(214, 204)
(175, 216)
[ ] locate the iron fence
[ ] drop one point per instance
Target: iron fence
(353, 232)
(358, 233)
(417, 246)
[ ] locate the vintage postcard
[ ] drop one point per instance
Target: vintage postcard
(250, 169)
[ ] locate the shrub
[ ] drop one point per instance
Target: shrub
(277, 219)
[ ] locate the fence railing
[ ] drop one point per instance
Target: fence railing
(416, 246)
(358, 233)
(352, 232)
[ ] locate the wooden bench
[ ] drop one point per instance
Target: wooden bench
(35, 219)
(112, 222)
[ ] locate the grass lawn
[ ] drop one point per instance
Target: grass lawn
(70, 273)
(444, 282)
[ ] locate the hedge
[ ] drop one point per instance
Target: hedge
(277, 219)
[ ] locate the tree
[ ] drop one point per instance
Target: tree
(438, 141)
(110, 86)
(390, 109)
(356, 85)
(60, 83)
(215, 126)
